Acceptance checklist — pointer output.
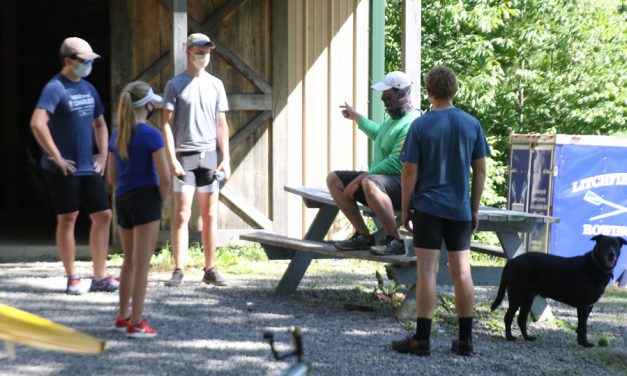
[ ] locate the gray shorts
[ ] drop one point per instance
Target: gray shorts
(199, 169)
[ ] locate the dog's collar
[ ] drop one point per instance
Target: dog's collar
(599, 265)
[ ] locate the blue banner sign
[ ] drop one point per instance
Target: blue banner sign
(589, 197)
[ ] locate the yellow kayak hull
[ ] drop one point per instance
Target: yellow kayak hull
(27, 329)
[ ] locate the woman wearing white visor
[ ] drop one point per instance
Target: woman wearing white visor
(138, 171)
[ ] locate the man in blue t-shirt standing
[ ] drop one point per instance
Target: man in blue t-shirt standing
(67, 119)
(441, 147)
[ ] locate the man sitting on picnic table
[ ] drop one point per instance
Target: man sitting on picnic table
(380, 187)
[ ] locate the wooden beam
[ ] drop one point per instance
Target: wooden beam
(212, 23)
(179, 35)
(248, 213)
(410, 63)
(239, 64)
(250, 102)
(250, 128)
(154, 68)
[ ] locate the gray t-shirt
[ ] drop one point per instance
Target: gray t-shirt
(195, 102)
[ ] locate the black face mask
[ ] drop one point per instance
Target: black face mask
(151, 111)
(397, 102)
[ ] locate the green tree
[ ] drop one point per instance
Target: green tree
(527, 66)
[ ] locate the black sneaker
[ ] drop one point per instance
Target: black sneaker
(357, 242)
(212, 277)
(392, 247)
(410, 345)
(176, 279)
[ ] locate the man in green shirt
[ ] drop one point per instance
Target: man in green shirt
(380, 187)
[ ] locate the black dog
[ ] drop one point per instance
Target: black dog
(577, 281)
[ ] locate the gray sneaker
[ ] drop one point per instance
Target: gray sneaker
(176, 279)
(357, 242)
(212, 277)
(392, 247)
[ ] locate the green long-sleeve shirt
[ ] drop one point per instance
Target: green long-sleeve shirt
(388, 139)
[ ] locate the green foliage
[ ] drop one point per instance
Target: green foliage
(526, 66)
(229, 257)
(388, 291)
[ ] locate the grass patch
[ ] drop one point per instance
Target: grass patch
(234, 259)
(614, 360)
(615, 295)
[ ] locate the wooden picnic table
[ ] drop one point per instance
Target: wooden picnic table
(508, 225)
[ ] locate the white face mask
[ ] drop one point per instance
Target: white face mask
(83, 70)
(201, 61)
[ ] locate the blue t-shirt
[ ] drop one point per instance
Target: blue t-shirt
(443, 143)
(138, 170)
(72, 106)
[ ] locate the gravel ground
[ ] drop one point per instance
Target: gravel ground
(218, 331)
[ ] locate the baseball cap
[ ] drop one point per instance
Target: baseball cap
(75, 46)
(198, 39)
(392, 80)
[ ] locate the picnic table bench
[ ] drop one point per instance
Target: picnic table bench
(508, 226)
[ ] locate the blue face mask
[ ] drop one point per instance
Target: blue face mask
(83, 70)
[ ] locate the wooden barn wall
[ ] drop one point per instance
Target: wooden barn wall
(142, 35)
(323, 61)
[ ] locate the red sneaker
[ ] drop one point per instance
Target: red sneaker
(121, 323)
(141, 330)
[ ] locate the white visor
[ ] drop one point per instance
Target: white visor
(150, 97)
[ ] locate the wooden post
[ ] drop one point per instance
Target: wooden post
(179, 35)
(411, 45)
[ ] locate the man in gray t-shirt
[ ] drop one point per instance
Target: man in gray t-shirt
(195, 127)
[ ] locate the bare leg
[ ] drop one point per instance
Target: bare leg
(180, 227)
(459, 267)
(143, 247)
(66, 244)
(208, 207)
(126, 273)
(381, 205)
(348, 207)
(427, 270)
(99, 242)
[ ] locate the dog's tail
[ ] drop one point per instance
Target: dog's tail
(501, 294)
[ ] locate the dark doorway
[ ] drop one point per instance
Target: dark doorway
(32, 32)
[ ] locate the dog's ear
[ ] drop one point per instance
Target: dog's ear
(623, 241)
(596, 237)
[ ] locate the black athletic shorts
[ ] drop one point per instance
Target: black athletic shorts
(388, 184)
(72, 192)
(139, 206)
(430, 231)
(199, 167)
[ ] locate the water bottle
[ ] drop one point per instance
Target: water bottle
(219, 176)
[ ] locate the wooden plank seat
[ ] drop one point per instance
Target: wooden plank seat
(280, 247)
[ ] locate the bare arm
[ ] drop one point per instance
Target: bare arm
(476, 190)
(112, 172)
(170, 150)
(408, 185)
(222, 135)
(163, 173)
(39, 126)
(101, 134)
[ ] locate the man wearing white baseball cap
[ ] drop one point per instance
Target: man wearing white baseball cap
(68, 117)
(195, 128)
(380, 187)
